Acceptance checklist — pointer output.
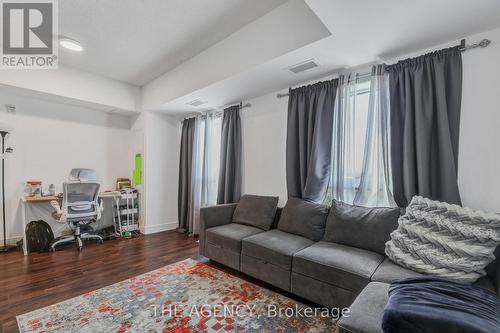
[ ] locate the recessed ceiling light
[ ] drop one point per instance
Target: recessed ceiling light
(70, 44)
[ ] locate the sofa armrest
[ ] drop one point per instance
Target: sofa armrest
(212, 217)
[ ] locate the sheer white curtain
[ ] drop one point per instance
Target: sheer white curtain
(375, 188)
(211, 159)
(343, 178)
(361, 168)
(206, 161)
(197, 174)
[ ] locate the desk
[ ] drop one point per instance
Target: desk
(49, 198)
(27, 200)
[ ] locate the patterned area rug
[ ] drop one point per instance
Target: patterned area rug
(184, 297)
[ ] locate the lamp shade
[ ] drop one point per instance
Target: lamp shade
(6, 127)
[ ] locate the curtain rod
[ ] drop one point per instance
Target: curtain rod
(247, 105)
(462, 47)
(203, 113)
(358, 76)
(483, 43)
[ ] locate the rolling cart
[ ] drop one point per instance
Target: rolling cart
(126, 212)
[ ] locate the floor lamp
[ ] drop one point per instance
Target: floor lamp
(4, 247)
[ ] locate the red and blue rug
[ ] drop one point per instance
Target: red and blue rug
(184, 297)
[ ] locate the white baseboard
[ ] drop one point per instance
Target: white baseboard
(11, 240)
(151, 229)
(148, 229)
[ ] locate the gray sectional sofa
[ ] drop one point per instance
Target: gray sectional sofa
(332, 257)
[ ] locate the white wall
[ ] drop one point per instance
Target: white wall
(479, 158)
(72, 83)
(162, 142)
(264, 132)
(264, 136)
(51, 138)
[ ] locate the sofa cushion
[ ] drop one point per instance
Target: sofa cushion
(388, 271)
(362, 227)
(341, 265)
(367, 310)
(275, 247)
(304, 218)
(229, 236)
(256, 211)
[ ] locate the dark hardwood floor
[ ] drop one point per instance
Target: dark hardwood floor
(30, 282)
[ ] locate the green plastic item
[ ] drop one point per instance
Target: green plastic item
(137, 173)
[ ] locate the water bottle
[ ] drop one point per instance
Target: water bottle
(52, 190)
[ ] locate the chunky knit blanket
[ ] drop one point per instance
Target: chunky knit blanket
(445, 240)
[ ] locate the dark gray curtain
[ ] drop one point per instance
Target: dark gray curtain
(426, 94)
(309, 140)
(230, 176)
(185, 175)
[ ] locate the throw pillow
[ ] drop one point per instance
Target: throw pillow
(445, 240)
(256, 211)
(362, 227)
(303, 218)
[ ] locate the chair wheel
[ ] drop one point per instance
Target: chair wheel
(101, 241)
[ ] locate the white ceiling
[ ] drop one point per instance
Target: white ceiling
(135, 41)
(363, 31)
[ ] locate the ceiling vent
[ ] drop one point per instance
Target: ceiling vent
(303, 66)
(196, 102)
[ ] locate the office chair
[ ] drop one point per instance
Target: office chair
(80, 207)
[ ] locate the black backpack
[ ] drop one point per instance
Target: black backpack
(39, 236)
